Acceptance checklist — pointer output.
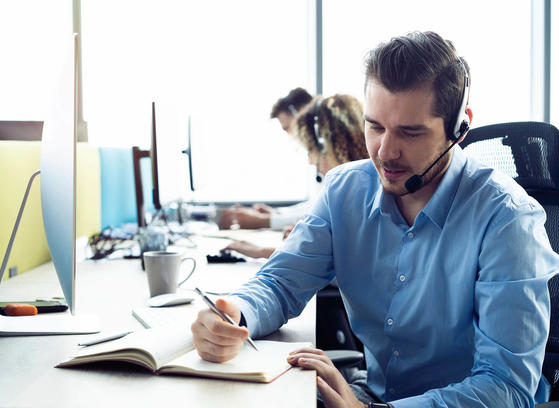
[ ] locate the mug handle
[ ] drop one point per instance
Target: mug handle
(191, 272)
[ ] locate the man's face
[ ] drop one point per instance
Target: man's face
(285, 120)
(403, 137)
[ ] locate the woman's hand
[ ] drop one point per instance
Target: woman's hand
(250, 250)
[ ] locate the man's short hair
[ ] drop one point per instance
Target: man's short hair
(295, 100)
(416, 59)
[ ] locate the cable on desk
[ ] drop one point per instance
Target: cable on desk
(173, 236)
(106, 242)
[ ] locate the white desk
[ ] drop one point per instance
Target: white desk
(111, 289)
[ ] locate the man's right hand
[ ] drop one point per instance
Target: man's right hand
(215, 339)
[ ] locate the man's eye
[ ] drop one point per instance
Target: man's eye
(412, 134)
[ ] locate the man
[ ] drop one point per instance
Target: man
(285, 109)
(446, 286)
(262, 216)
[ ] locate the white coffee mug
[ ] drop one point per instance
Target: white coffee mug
(162, 268)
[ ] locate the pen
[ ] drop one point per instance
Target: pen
(224, 316)
(104, 339)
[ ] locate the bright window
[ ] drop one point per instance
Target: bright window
(493, 36)
(35, 37)
(224, 64)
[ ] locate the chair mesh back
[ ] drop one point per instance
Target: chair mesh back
(552, 225)
(529, 153)
(526, 151)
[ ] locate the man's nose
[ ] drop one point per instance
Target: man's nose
(389, 147)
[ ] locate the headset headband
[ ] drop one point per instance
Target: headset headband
(462, 122)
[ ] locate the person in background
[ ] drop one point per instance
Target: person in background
(331, 131)
(259, 215)
(287, 108)
(442, 263)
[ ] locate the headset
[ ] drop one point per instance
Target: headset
(319, 139)
(292, 109)
(462, 123)
(461, 126)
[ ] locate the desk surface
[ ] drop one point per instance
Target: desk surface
(110, 289)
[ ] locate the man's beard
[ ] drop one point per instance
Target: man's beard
(393, 187)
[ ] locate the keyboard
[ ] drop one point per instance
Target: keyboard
(151, 317)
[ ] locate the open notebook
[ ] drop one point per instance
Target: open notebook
(170, 351)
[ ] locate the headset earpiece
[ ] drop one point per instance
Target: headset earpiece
(292, 109)
(462, 122)
(319, 139)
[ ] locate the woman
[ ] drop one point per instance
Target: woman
(331, 130)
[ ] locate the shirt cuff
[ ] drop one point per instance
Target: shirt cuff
(413, 402)
(243, 321)
(247, 314)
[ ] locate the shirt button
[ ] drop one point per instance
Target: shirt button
(410, 235)
(392, 391)
(396, 353)
(389, 322)
(402, 278)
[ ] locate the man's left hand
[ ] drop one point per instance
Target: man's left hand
(333, 387)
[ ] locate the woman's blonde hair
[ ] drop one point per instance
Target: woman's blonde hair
(338, 120)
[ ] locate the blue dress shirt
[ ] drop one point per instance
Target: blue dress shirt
(452, 311)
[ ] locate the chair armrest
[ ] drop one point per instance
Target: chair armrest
(346, 358)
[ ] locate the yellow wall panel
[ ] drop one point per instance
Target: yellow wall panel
(18, 161)
(88, 190)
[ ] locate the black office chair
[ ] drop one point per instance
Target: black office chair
(333, 333)
(332, 325)
(529, 152)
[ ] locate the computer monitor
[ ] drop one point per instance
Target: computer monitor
(58, 177)
(154, 161)
(168, 163)
(188, 152)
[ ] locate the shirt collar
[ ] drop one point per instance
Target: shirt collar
(383, 203)
(378, 200)
(439, 205)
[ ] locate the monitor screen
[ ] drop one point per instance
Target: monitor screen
(58, 175)
(154, 161)
(188, 152)
(169, 164)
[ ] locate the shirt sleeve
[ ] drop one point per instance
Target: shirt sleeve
(511, 317)
(292, 275)
(286, 216)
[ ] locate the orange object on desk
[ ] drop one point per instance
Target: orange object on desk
(20, 309)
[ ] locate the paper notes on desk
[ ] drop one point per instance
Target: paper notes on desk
(170, 351)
